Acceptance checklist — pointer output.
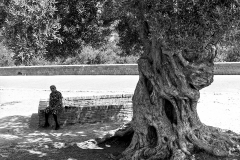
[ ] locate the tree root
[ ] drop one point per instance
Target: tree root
(178, 154)
(213, 141)
(147, 153)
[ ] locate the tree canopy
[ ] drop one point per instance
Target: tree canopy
(60, 28)
(179, 25)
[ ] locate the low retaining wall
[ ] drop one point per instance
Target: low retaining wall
(91, 109)
(224, 68)
(108, 69)
(227, 68)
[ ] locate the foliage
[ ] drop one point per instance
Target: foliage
(129, 40)
(3, 13)
(228, 49)
(59, 29)
(110, 53)
(29, 25)
(228, 54)
(191, 25)
(5, 56)
(55, 28)
(104, 55)
(80, 26)
(107, 54)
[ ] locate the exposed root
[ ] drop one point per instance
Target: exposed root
(147, 153)
(183, 147)
(178, 154)
(209, 139)
(215, 141)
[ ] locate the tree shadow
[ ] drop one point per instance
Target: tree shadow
(21, 138)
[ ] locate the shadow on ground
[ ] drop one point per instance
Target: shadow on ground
(21, 138)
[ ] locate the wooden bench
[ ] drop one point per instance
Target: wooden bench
(90, 109)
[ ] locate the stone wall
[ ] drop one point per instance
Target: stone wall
(224, 68)
(91, 109)
(106, 69)
(227, 68)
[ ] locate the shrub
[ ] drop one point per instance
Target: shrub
(6, 56)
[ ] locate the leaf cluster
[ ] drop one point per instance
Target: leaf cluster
(54, 28)
(80, 25)
(28, 27)
(193, 25)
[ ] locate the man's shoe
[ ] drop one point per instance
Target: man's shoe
(57, 127)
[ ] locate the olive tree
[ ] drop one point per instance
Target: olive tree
(179, 39)
(27, 27)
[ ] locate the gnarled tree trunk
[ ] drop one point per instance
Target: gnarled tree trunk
(165, 119)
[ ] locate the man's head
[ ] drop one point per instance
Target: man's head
(53, 88)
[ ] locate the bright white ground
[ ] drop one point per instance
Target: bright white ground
(19, 95)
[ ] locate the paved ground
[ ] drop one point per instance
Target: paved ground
(71, 83)
(222, 83)
(219, 103)
(20, 137)
(19, 97)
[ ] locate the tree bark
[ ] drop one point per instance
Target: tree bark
(165, 119)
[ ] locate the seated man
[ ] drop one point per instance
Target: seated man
(55, 106)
